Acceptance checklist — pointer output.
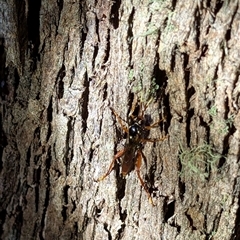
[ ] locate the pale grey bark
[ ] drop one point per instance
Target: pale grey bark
(64, 63)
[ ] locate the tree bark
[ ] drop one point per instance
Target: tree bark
(63, 64)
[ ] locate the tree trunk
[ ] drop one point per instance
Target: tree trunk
(63, 64)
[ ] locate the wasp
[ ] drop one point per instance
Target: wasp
(137, 129)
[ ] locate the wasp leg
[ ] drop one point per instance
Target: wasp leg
(120, 120)
(134, 103)
(153, 140)
(154, 124)
(138, 166)
(141, 110)
(144, 107)
(118, 155)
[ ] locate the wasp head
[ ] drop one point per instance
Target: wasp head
(135, 132)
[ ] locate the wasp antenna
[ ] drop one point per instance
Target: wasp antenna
(134, 103)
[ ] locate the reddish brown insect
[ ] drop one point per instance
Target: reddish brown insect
(137, 130)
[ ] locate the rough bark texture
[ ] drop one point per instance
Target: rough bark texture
(64, 63)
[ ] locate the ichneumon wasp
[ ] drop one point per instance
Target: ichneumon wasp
(137, 129)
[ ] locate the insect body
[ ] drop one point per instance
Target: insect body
(131, 154)
(132, 146)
